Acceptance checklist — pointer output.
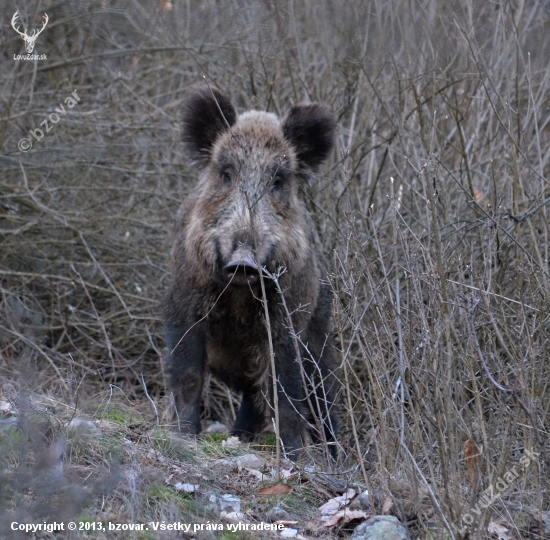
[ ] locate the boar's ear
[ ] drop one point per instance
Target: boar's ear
(310, 129)
(208, 113)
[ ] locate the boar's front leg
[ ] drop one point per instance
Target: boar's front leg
(186, 359)
(251, 417)
(291, 396)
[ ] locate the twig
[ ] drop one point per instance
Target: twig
(150, 399)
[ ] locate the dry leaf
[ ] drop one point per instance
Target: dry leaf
(233, 517)
(480, 198)
(285, 474)
(254, 472)
(312, 526)
(500, 530)
(472, 454)
(231, 442)
(332, 506)
(165, 5)
(277, 489)
(388, 503)
(343, 516)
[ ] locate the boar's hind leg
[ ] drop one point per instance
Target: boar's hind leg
(186, 355)
(251, 417)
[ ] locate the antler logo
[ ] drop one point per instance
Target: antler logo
(29, 40)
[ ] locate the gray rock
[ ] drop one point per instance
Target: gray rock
(381, 528)
(212, 502)
(8, 423)
(217, 427)
(361, 502)
(224, 465)
(230, 503)
(277, 514)
(250, 461)
(82, 426)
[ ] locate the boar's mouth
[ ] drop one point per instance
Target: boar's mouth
(242, 272)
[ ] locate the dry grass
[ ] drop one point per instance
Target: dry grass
(434, 212)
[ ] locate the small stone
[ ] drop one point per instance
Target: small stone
(217, 427)
(8, 423)
(186, 488)
(224, 465)
(6, 409)
(361, 502)
(230, 503)
(83, 427)
(277, 514)
(250, 461)
(380, 528)
(212, 502)
(287, 532)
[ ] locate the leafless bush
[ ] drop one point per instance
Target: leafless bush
(435, 213)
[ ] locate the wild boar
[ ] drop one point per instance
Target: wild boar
(247, 216)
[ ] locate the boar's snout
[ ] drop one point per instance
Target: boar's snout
(242, 271)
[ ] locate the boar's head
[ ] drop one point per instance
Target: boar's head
(246, 211)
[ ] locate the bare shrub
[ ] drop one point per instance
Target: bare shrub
(435, 213)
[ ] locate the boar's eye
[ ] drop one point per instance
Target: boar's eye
(278, 180)
(226, 177)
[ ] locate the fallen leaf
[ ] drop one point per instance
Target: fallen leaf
(277, 489)
(231, 442)
(232, 517)
(472, 454)
(500, 530)
(254, 472)
(285, 474)
(330, 507)
(312, 526)
(388, 503)
(337, 503)
(343, 516)
(165, 5)
(480, 198)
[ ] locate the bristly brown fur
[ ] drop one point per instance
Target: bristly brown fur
(246, 213)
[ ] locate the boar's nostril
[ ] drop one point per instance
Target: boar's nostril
(241, 272)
